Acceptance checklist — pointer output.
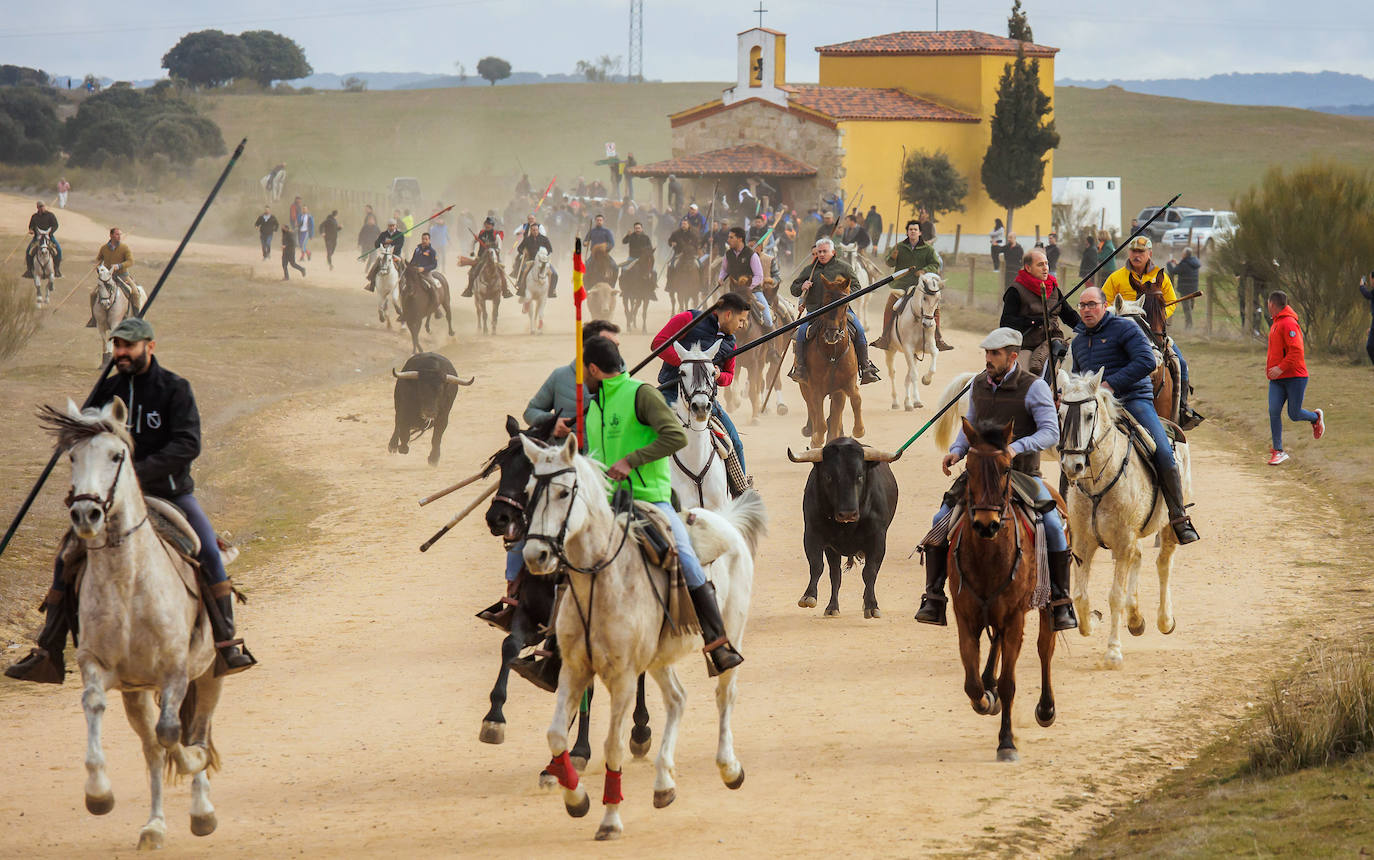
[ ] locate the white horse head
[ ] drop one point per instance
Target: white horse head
(99, 446)
(697, 379)
(1087, 412)
(931, 284)
(542, 258)
(567, 498)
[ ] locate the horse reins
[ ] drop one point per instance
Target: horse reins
(1071, 421)
(698, 478)
(111, 540)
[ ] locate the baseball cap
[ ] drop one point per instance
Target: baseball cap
(1141, 243)
(133, 330)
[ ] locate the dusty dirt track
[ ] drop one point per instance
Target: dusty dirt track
(358, 733)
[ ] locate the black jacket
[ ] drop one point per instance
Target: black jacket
(165, 424)
(266, 224)
(44, 220)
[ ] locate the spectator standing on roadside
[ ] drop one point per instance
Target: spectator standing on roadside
(1185, 275)
(1286, 368)
(330, 231)
(873, 223)
(997, 239)
(1089, 259)
(63, 189)
(1012, 254)
(1105, 248)
(438, 236)
(267, 227)
(288, 253)
(1052, 253)
(1367, 290)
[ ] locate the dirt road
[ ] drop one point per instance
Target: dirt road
(358, 733)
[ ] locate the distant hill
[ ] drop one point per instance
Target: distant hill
(386, 80)
(1354, 94)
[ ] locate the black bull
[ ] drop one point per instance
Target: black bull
(850, 499)
(425, 389)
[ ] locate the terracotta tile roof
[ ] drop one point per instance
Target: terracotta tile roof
(751, 158)
(933, 42)
(872, 103)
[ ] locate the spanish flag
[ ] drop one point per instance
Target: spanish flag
(579, 269)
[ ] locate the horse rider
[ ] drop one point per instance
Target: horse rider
(634, 430)
(42, 219)
(855, 233)
(1140, 276)
(489, 237)
(116, 256)
(556, 397)
(757, 230)
(600, 234)
(742, 261)
(697, 220)
(394, 240)
(525, 253)
(719, 323)
(918, 255)
(826, 264)
(1005, 393)
(165, 426)
(1027, 307)
(425, 259)
(637, 244)
(685, 240)
(1119, 348)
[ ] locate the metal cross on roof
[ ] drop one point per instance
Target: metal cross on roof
(760, 10)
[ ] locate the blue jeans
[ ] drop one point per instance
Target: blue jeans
(687, 556)
(209, 558)
(1055, 538)
(671, 395)
(1144, 411)
(860, 336)
(763, 306)
(1182, 370)
(1290, 390)
(515, 560)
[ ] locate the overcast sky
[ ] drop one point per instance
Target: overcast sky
(692, 40)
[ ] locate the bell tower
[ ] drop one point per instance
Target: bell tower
(761, 62)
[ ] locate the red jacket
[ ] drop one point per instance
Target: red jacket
(1285, 346)
(707, 333)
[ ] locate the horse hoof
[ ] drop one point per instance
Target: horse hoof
(897, 406)
(579, 762)
(1173, 624)
(607, 832)
(875, 612)
(663, 797)
(492, 732)
(639, 749)
(807, 602)
(580, 807)
(832, 611)
(1008, 755)
(99, 805)
(734, 784)
(204, 825)
(151, 840)
(1113, 661)
(547, 780)
(782, 409)
(1136, 627)
(910, 408)
(1045, 717)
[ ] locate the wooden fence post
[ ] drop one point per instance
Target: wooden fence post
(958, 231)
(1211, 300)
(972, 270)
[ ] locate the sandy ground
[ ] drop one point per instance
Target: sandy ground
(358, 733)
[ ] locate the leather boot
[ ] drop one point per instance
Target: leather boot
(939, 338)
(542, 667)
(867, 371)
(44, 664)
(933, 602)
(1060, 602)
(501, 613)
(57, 267)
(472, 282)
(1172, 488)
(721, 656)
(234, 657)
(889, 312)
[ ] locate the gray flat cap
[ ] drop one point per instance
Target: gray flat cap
(1001, 338)
(133, 330)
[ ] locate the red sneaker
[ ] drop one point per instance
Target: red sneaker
(1277, 457)
(1319, 426)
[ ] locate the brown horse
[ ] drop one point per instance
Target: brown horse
(638, 285)
(832, 370)
(762, 365)
(993, 579)
(1149, 312)
(421, 300)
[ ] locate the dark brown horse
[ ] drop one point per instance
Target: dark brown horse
(992, 578)
(832, 370)
(638, 285)
(1149, 311)
(420, 300)
(686, 281)
(763, 365)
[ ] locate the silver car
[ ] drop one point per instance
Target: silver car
(1203, 230)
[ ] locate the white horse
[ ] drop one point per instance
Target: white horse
(698, 473)
(143, 630)
(537, 290)
(388, 280)
(1114, 504)
(618, 630)
(110, 306)
(850, 256)
(273, 183)
(913, 333)
(44, 268)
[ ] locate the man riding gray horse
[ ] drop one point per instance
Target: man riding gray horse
(42, 221)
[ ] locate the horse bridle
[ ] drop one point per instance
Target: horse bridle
(558, 542)
(1004, 494)
(698, 478)
(111, 539)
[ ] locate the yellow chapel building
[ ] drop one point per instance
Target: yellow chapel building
(925, 91)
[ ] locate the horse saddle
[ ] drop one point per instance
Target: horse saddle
(653, 533)
(812, 330)
(903, 301)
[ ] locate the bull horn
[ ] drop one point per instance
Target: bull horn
(812, 455)
(405, 374)
(874, 455)
(454, 380)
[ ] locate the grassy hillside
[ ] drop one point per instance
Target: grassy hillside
(481, 136)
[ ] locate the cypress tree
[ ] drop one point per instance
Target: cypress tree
(1014, 166)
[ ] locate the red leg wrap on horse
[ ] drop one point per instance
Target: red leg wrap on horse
(562, 768)
(612, 794)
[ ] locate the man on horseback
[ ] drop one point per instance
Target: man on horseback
(166, 433)
(525, 253)
(490, 237)
(826, 265)
(742, 261)
(42, 219)
(116, 256)
(1026, 307)
(685, 240)
(918, 255)
(600, 234)
(425, 260)
(394, 240)
(1119, 348)
(1006, 394)
(1138, 277)
(719, 323)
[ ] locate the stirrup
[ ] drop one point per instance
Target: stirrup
(936, 604)
(721, 657)
(797, 373)
(537, 669)
(231, 649)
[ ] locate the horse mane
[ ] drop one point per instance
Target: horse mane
(539, 431)
(72, 430)
(1081, 384)
(986, 430)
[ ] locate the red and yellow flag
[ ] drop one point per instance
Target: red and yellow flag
(579, 294)
(579, 269)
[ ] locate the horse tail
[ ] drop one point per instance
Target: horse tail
(945, 427)
(748, 515)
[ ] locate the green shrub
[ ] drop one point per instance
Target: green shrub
(1326, 715)
(19, 315)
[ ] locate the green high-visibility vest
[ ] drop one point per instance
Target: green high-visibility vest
(615, 432)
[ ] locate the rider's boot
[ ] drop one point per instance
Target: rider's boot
(542, 667)
(868, 372)
(939, 338)
(90, 323)
(472, 282)
(1172, 487)
(57, 266)
(721, 656)
(933, 602)
(798, 371)
(501, 613)
(888, 314)
(1060, 602)
(28, 267)
(234, 656)
(44, 664)
(1187, 417)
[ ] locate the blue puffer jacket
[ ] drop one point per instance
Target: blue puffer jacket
(1120, 348)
